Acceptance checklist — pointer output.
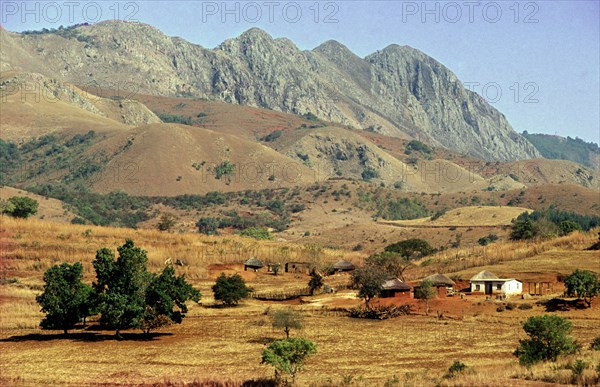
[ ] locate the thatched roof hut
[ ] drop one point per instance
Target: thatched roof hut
(253, 263)
(343, 265)
(439, 280)
(395, 288)
(395, 284)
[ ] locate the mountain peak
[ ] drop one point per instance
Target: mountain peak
(256, 33)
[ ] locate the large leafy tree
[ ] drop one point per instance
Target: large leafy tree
(64, 297)
(548, 339)
(392, 263)
(583, 284)
(121, 286)
(369, 280)
(22, 206)
(288, 355)
(230, 289)
(166, 299)
(411, 248)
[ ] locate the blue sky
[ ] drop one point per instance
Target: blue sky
(536, 61)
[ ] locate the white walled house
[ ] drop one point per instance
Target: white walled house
(486, 282)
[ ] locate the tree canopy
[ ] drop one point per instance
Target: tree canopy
(64, 297)
(548, 338)
(583, 284)
(230, 289)
(288, 355)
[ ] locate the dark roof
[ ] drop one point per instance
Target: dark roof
(343, 265)
(395, 284)
(439, 280)
(253, 262)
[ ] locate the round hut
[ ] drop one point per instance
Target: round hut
(253, 263)
(442, 283)
(395, 288)
(343, 265)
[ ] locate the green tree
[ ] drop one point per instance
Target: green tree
(583, 284)
(22, 206)
(63, 298)
(166, 298)
(121, 286)
(369, 280)
(208, 226)
(548, 339)
(392, 263)
(286, 319)
(568, 226)
(288, 355)
(411, 248)
(523, 229)
(230, 289)
(166, 222)
(315, 282)
(426, 292)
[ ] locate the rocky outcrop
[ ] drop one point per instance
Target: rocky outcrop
(396, 91)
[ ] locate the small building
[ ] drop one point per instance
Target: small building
(297, 267)
(486, 282)
(395, 288)
(253, 263)
(343, 265)
(442, 283)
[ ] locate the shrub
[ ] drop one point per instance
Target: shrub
(456, 368)
(272, 136)
(21, 207)
(548, 339)
(259, 233)
(525, 306)
(500, 308)
(577, 368)
(595, 345)
(230, 289)
(511, 306)
(380, 312)
(288, 355)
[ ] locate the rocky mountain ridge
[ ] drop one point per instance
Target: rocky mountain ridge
(397, 91)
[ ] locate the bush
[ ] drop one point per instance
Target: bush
(548, 339)
(380, 312)
(577, 368)
(595, 345)
(456, 368)
(511, 306)
(500, 308)
(259, 233)
(272, 136)
(525, 306)
(21, 207)
(230, 289)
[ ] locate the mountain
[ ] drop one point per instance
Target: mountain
(557, 147)
(398, 91)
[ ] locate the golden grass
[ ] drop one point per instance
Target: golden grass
(226, 344)
(461, 259)
(472, 216)
(36, 245)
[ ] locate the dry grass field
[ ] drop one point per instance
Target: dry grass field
(226, 344)
(473, 216)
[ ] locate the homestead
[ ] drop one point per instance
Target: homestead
(297, 267)
(343, 266)
(253, 263)
(395, 288)
(486, 282)
(443, 284)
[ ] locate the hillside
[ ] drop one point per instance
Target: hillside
(467, 217)
(556, 147)
(49, 209)
(398, 91)
(469, 328)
